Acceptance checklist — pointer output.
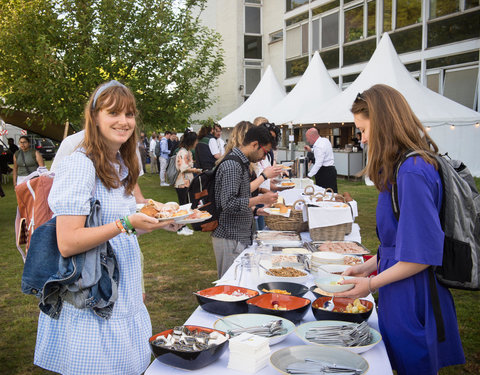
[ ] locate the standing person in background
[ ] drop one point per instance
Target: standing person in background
(153, 157)
(204, 158)
(324, 169)
(12, 148)
(217, 133)
(163, 157)
(184, 163)
(104, 168)
(234, 200)
(175, 143)
(25, 161)
(410, 245)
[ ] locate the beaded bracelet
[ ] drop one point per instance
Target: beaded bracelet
(120, 226)
(370, 285)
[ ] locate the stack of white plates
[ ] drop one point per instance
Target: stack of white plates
(320, 258)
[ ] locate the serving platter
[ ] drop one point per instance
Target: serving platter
(336, 245)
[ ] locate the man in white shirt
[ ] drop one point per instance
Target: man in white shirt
(217, 133)
(324, 169)
(163, 157)
(153, 157)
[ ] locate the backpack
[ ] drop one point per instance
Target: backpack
(172, 172)
(201, 193)
(460, 221)
(33, 209)
(158, 149)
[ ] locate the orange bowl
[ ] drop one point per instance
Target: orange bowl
(208, 303)
(288, 307)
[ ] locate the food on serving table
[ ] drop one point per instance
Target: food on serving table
(276, 306)
(162, 210)
(322, 292)
(278, 291)
(198, 214)
(288, 183)
(341, 247)
(185, 340)
(351, 260)
(235, 296)
(285, 272)
(285, 167)
(277, 236)
(278, 259)
(288, 307)
(295, 250)
(337, 282)
(344, 309)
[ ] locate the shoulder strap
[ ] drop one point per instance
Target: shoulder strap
(236, 158)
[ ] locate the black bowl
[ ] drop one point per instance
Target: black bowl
(340, 303)
(224, 307)
(297, 290)
(187, 360)
(296, 307)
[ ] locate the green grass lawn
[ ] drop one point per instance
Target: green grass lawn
(175, 266)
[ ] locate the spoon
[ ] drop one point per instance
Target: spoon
(329, 305)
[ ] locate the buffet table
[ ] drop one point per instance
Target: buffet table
(376, 357)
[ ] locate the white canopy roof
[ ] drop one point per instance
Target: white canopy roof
(433, 110)
(314, 88)
(267, 94)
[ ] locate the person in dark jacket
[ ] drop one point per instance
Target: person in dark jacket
(204, 158)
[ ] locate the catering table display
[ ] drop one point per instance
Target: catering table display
(373, 357)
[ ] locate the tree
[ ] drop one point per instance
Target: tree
(53, 53)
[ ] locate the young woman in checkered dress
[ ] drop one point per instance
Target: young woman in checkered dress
(105, 166)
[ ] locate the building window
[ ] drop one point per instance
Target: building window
(253, 47)
(407, 40)
(252, 78)
(471, 3)
(460, 85)
(440, 8)
(331, 58)
(276, 36)
(409, 12)
(358, 52)
(330, 30)
(433, 82)
(252, 20)
(387, 15)
(316, 34)
(297, 67)
(453, 60)
(292, 4)
(254, 1)
(296, 19)
(371, 5)
(354, 23)
(294, 42)
(453, 29)
(304, 38)
(324, 8)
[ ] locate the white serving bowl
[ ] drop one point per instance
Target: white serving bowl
(327, 257)
(329, 284)
(325, 270)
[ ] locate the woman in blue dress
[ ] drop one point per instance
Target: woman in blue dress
(407, 246)
(106, 168)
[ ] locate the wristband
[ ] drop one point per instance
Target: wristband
(264, 177)
(370, 285)
(120, 227)
(127, 226)
(255, 211)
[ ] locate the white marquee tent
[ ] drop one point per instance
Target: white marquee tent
(314, 88)
(267, 94)
(434, 110)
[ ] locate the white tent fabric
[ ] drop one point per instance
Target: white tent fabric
(267, 94)
(433, 110)
(314, 88)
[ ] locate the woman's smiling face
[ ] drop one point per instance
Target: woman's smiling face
(115, 127)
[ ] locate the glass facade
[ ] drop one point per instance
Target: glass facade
(354, 23)
(252, 20)
(407, 40)
(409, 12)
(454, 29)
(292, 4)
(297, 67)
(330, 30)
(253, 47)
(440, 8)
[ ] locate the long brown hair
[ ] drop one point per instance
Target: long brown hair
(394, 130)
(116, 98)
(236, 139)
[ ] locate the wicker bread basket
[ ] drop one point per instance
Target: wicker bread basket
(293, 223)
(333, 232)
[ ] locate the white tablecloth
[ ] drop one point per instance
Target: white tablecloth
(376, 357)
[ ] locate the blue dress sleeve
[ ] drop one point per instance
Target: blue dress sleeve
(419, 236)
(72, 186)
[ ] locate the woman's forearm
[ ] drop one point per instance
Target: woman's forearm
(398, 272)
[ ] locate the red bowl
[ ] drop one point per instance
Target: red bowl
(341, 304)
(296, 307)
(205, 300)
(187, 360)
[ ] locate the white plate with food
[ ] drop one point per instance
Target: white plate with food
(196, 216)
(277, 211)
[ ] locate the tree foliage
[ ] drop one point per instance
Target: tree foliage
(53, 53)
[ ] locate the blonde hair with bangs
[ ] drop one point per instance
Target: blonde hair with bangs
(116, 98)
(394, 130)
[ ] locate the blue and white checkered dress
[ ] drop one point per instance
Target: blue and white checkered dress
(80, 342)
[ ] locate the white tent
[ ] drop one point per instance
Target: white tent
(314, 88)
(267, 94)
(433, 110)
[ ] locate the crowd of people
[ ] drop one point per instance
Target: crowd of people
(104, 161)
